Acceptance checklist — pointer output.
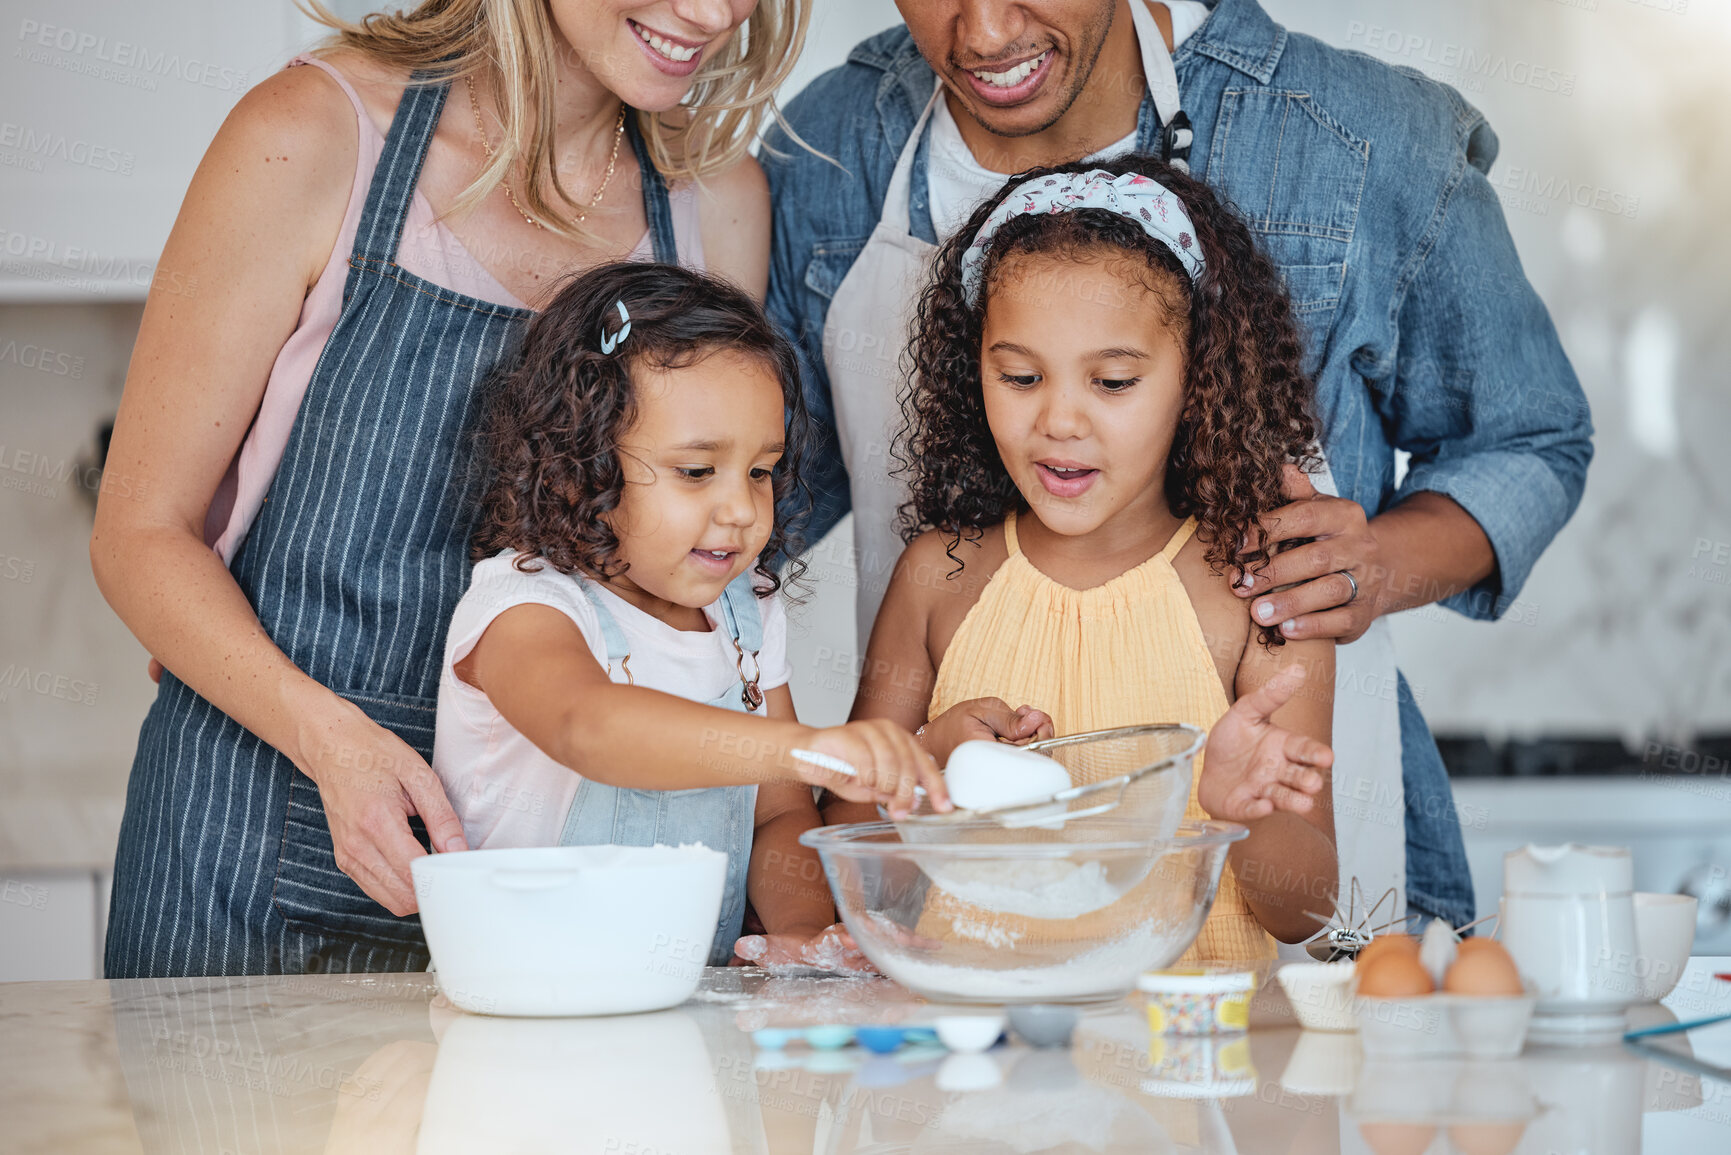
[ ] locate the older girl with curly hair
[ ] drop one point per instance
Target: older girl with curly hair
(1106, 388)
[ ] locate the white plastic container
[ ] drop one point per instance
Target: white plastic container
(1199, 1000)
(570, 930)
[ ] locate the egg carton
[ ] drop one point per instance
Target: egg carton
(1443, 1024)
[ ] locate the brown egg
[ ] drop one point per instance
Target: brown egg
(1397, 1138)
(1485, 970)
(1383, 943)
(1470, 944)
(1486, 1138)
(1394, 975)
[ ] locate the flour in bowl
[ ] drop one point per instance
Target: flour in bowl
(1033, 888)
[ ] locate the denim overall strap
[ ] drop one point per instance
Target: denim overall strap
(655, 204)
(744, 623)
(720, 817)
(354, 565)
(618, 646)
(740, 613)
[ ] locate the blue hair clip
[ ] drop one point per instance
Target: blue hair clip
(608, 344)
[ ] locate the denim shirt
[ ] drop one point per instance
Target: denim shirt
(1366, 184)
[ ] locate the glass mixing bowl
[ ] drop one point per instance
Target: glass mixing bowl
(974, 912)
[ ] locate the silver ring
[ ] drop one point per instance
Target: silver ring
(1347, 574)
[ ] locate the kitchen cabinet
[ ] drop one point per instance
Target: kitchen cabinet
(108, 108)
(51, 924)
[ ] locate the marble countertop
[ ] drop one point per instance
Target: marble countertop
(380, 1064)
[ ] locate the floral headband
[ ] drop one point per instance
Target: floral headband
(1132, 196)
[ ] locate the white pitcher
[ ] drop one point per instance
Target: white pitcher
(1568, 920)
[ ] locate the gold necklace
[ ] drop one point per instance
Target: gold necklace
(487, 147)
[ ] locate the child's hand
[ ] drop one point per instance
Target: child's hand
(987, 718)
(890, 761)
(1254, 767)
(830, 949)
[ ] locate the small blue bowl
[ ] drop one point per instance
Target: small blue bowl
(881, 1040)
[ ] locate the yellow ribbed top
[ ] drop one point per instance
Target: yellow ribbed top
(1123, 653)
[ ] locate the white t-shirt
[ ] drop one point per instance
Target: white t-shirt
(957, 183)
(506, 791)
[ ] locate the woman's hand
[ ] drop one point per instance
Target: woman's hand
(990, 719)
(370, 782)
(1254, 767)
(890, 761)
(831, 949)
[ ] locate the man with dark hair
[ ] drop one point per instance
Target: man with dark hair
(1367, 185)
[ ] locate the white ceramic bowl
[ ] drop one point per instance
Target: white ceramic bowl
(969, 1034)
(1320, 994)
(570, 930)
(1665, 930)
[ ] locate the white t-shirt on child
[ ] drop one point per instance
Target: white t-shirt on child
(506, 791)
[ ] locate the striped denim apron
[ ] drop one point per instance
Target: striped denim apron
(720, 817)
(354, 566)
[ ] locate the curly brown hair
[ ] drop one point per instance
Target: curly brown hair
(554, 414)
(1247, 400)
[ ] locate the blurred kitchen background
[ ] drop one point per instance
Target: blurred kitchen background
(1598, 710)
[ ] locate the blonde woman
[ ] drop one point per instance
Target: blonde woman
(368, 234)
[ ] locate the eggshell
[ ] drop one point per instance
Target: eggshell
(1397, 1138)
(1394, 976)
(1486, 970)
(1486, 1138)
(1437, 949)
(985, 775)
(1387, 942)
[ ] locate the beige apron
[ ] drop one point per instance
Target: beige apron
(864, 337)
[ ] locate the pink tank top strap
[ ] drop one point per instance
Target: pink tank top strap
(687, 233)
(371, 141)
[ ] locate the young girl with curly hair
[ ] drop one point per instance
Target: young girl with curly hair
(1106, 387)
(617, 670)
